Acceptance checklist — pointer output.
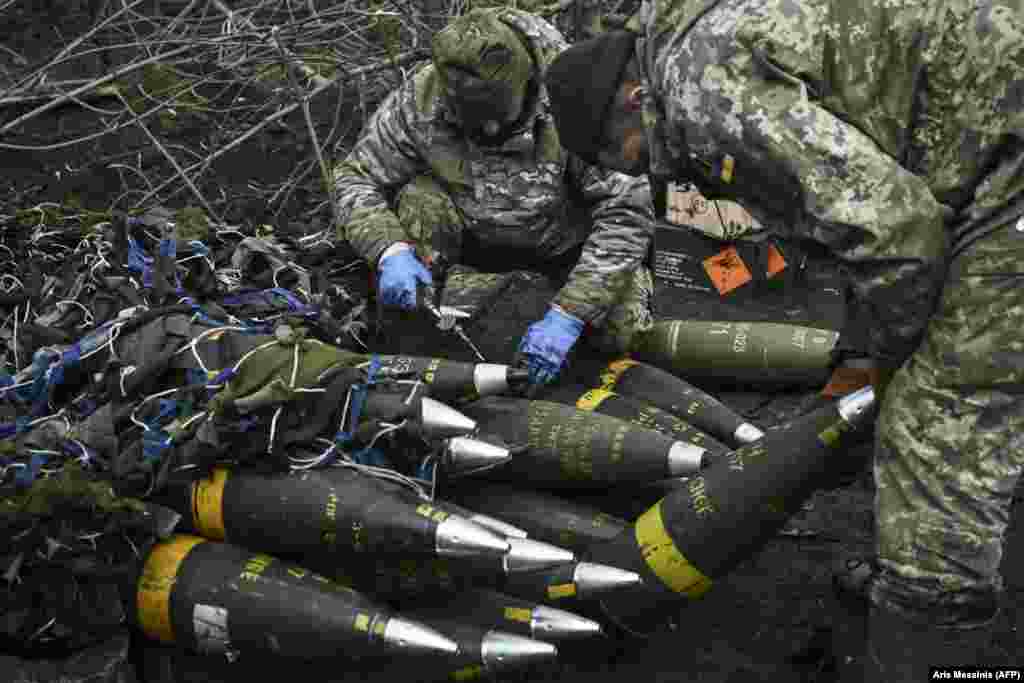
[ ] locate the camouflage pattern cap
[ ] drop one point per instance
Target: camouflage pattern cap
(484, 67)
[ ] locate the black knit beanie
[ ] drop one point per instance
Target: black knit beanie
(581, 83)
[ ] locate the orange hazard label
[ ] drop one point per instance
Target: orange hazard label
(776, 263)
(727, 270)
(846, 380)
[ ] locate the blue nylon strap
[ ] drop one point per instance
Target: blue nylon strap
(198, 248)
(8, 381)
(294, 303)
(8, 429)
(225, 375)
(154, 443)
(155, 440)
(195, 376)
(77, 449)
(425, 470)
(371, 371)
(344, 438)
(68, 359)
(359, 390)
(358, 399)
(270, 297)
(22, 424)
(168, 247)
(94, 339)
(200, 313)
(241, 298)
(38, 392)
(71, 356)
(168, 408)
(83, 407)
(138, 261)
(24, 477)
(371, 456)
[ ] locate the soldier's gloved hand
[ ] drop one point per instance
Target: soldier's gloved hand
(546, 344)
(400, 272)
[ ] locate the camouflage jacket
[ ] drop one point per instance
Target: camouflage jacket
(516, 195)
(844, 122)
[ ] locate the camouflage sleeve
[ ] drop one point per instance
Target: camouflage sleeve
(881, 220)
(622, 212)
(384, 158)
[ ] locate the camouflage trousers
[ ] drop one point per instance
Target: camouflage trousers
(950, 444)
(434, 225)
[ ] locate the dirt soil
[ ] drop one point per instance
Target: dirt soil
(771, 620)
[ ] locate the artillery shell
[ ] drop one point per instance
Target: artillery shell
(701, 532)
(657, 387)
(217, 597)
(570, 448)
(634, 411)
(543, 516)
(747, 353)
(337, 512)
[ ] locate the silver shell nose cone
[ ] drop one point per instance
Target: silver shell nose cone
(526, 554)
(501, 650)
(497, 526)
(416, 638)
(591, 578)
(466, 453)
(490, 378)
(549, 623)
(747, 433)
(685, 458)
(856, 408)
(440, 420)
(459, 537)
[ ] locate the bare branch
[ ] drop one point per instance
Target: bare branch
(398, 62)
(211, 78)
(174, 162)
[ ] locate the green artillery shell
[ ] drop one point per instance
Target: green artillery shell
(543, 516)
(493, 610)
(420, 578)
(408, 400)
(451, 381)
(634, 411)
(657, 387)
(334, 512)
(629, 502)
(493, 524)
(498, 526)
(390, 578)
(723, 515)
(740, 353)
(217, 597)
(570, 448)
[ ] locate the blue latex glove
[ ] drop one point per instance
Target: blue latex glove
(546, 344)
(400, 273)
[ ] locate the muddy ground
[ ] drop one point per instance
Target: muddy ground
(770, 621)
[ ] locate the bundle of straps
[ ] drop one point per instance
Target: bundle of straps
(145, 350)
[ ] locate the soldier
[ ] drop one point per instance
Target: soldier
(462, 163)
(890, 131)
